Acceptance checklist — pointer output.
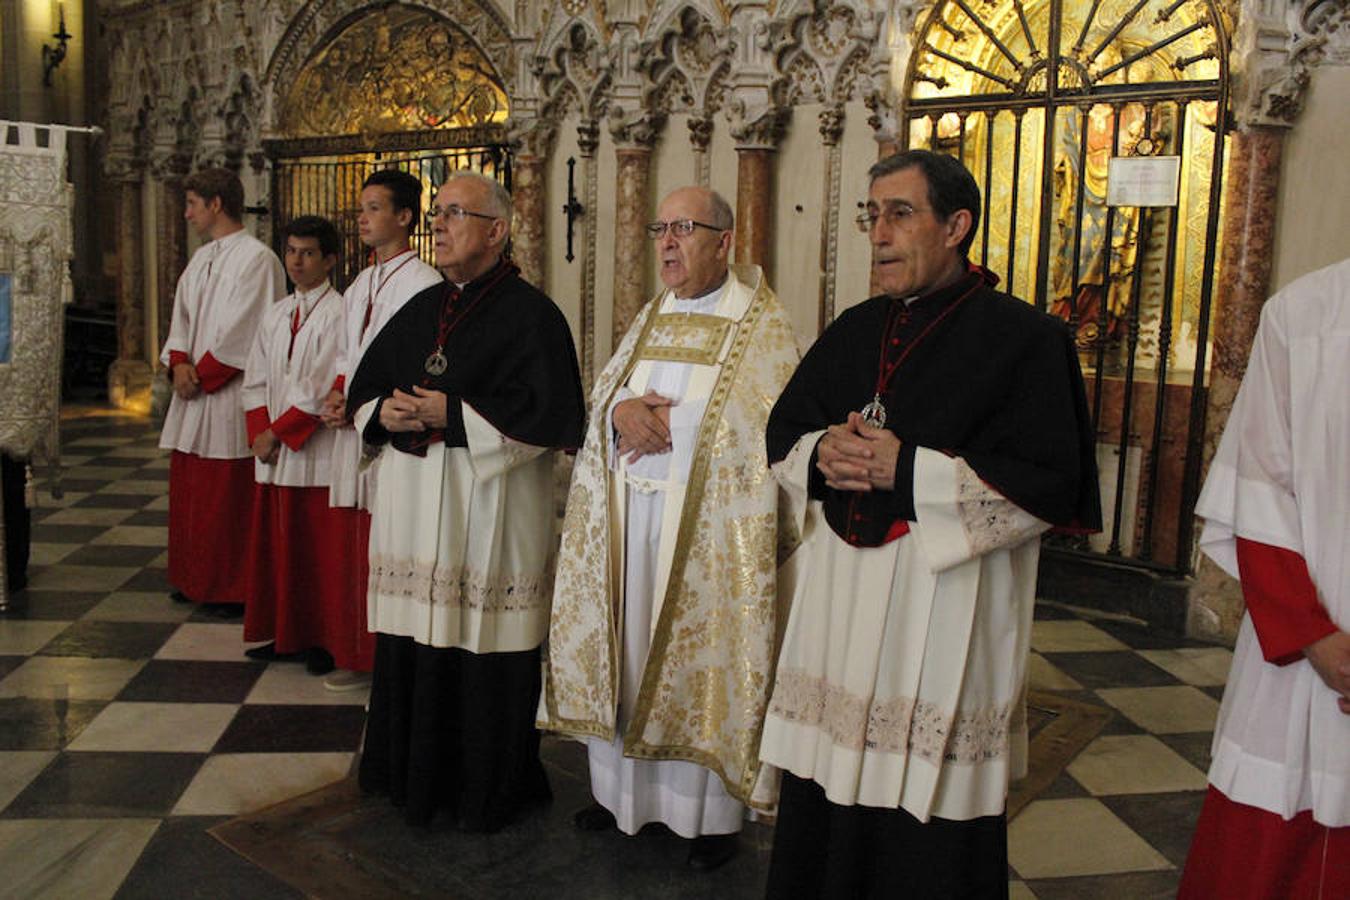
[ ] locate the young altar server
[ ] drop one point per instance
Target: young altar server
(302, 600)
(390, 206)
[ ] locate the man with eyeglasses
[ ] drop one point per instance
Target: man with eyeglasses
(666, 597)
(927, 440)
(462, 399)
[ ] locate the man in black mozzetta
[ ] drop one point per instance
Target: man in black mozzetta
(462, 399)
(932, 434)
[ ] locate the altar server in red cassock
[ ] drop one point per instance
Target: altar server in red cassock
(1276, 504)
(303, 599)
(219, 302)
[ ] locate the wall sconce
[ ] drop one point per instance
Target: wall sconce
(54, 56)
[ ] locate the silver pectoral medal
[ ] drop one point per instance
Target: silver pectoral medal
(436, 363)
(874, 413)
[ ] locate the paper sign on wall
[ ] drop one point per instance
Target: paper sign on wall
(1143, 180)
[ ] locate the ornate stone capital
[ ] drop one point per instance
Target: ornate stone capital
(1276, 48)
(531, 137)
(700, 133)
(756, 122)
(588, 137)
(637, 128)
(832, 124)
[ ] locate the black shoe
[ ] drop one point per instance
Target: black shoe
(268, 653)
(224, 610)
(711, 851)
(318, 661)
(179, 597)
(594, 818)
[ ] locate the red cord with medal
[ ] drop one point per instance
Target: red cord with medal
(298, 323)
(437, 364)
(874, 413)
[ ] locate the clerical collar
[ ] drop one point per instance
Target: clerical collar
(491, 274)
(943, 295)
(707, 295)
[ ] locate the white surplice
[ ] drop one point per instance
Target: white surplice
(371, 299)
(687, 798)
(1281, 476)
(473, 570)
(282, 374)
(217, 307)
(901, 678)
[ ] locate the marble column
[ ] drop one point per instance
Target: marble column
(754, 205)
(831, 130)
(130, 374)
(528, 196)
(171, 236)
(631, 244)
(1250, 203)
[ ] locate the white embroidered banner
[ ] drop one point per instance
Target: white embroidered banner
(35, 251)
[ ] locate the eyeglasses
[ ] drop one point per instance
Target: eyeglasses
(680, 228)
(893, 214)
(454, 212)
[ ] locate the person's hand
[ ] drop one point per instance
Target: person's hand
(643, 424)
(334, 411)
(430, 406)
(854, 456)
(399, 413)
(266, 447)
(186, 383)
(1330, 658)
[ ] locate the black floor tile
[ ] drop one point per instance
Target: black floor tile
(183, 861)
(1129, 886)
(1215, 691)
(1166, 821)
(1047, 613)
(110, 500)
(45, 533)
(84, 485)
(298, 729)
(56, 606)
(1106, 669)
(193, 681)
(30, 723)
(1064, 786)
(158, 517)
(125, 462)
(1118, 723)
(121, 640)
(1137, 637)
(152, 580)
(156, 474)
(1194, 747)
(111, 555)
(10, 663)
(105, 785)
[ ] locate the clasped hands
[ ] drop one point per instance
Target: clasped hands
(855, 456)
(334, 411)
(1330, 658)
(266, 447)
(643, 424)
(418, 411)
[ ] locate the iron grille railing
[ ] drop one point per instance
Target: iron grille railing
(1036, 101)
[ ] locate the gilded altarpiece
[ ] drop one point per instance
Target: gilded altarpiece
(399, 87)
(1036, 98)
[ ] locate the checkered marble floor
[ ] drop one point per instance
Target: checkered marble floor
(130, 724)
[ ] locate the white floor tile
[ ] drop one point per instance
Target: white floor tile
(290, 683)
(24, 637)
(198, 640)
(1134, 764)
(1079, 836)
(134, 536)
(1200, 666)
(230, 784)
(1070, 636)
(18, 768)
(1165, 710)
(63, 577)
(139, 606)
(73, 677)
(72, 859)
(157, 727)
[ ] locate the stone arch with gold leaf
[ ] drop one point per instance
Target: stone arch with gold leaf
(349, 67)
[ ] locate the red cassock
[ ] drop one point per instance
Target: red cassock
(210, 504)
(1241, 852)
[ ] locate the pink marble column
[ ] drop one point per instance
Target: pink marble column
(528, 197)
(630, 239)
(1250, 202)
(754, 205)
(130, 374)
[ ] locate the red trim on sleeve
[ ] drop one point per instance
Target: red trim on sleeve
(177, 358)
(294, 427)
(1282, 600)
(214, 374)
(257, 422)
(340, 384)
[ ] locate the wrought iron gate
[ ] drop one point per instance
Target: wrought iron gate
(306, 180)
(1036, 99)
